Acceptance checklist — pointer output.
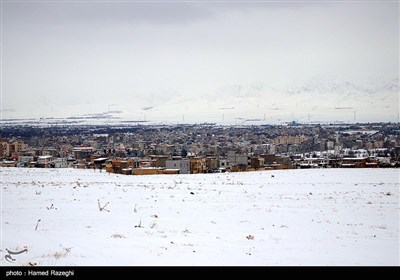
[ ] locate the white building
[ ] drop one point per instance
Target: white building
(60, 163)
(45, 161)
(237, 159)
(24, 161)
(182, 164)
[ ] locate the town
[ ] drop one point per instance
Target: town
(137, 149)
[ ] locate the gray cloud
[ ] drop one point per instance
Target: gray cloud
(105, 12)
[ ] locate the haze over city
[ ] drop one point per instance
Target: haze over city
(225, 62)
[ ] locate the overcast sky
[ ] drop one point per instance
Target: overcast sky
(68, 58)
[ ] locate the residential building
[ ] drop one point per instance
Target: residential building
(178, 163)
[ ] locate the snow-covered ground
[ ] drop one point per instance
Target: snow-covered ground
(288, 217)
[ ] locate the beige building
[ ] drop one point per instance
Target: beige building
(290, 139)
(197, 165)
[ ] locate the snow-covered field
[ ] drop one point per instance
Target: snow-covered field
(288, 217)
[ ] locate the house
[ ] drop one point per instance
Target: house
(257, 162)
(145, 171)
(45, 161)
(9, 150)
(71, 161)
(223, 163)
(109, 166)
(8, 163)
(144, 163)
(353, 162)
(79, 165)
(312, 162)
(3, 148)
(23, 161)
(235, 159)
(211, 164)
(158, 160)
(117, 165)
(278, 162)
(372, 162)
(154, 171)
(197, 165)
(178, 163)
(100, 162)
(60, 163)
(83, 152)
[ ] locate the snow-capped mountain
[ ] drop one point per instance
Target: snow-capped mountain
(322, 97)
